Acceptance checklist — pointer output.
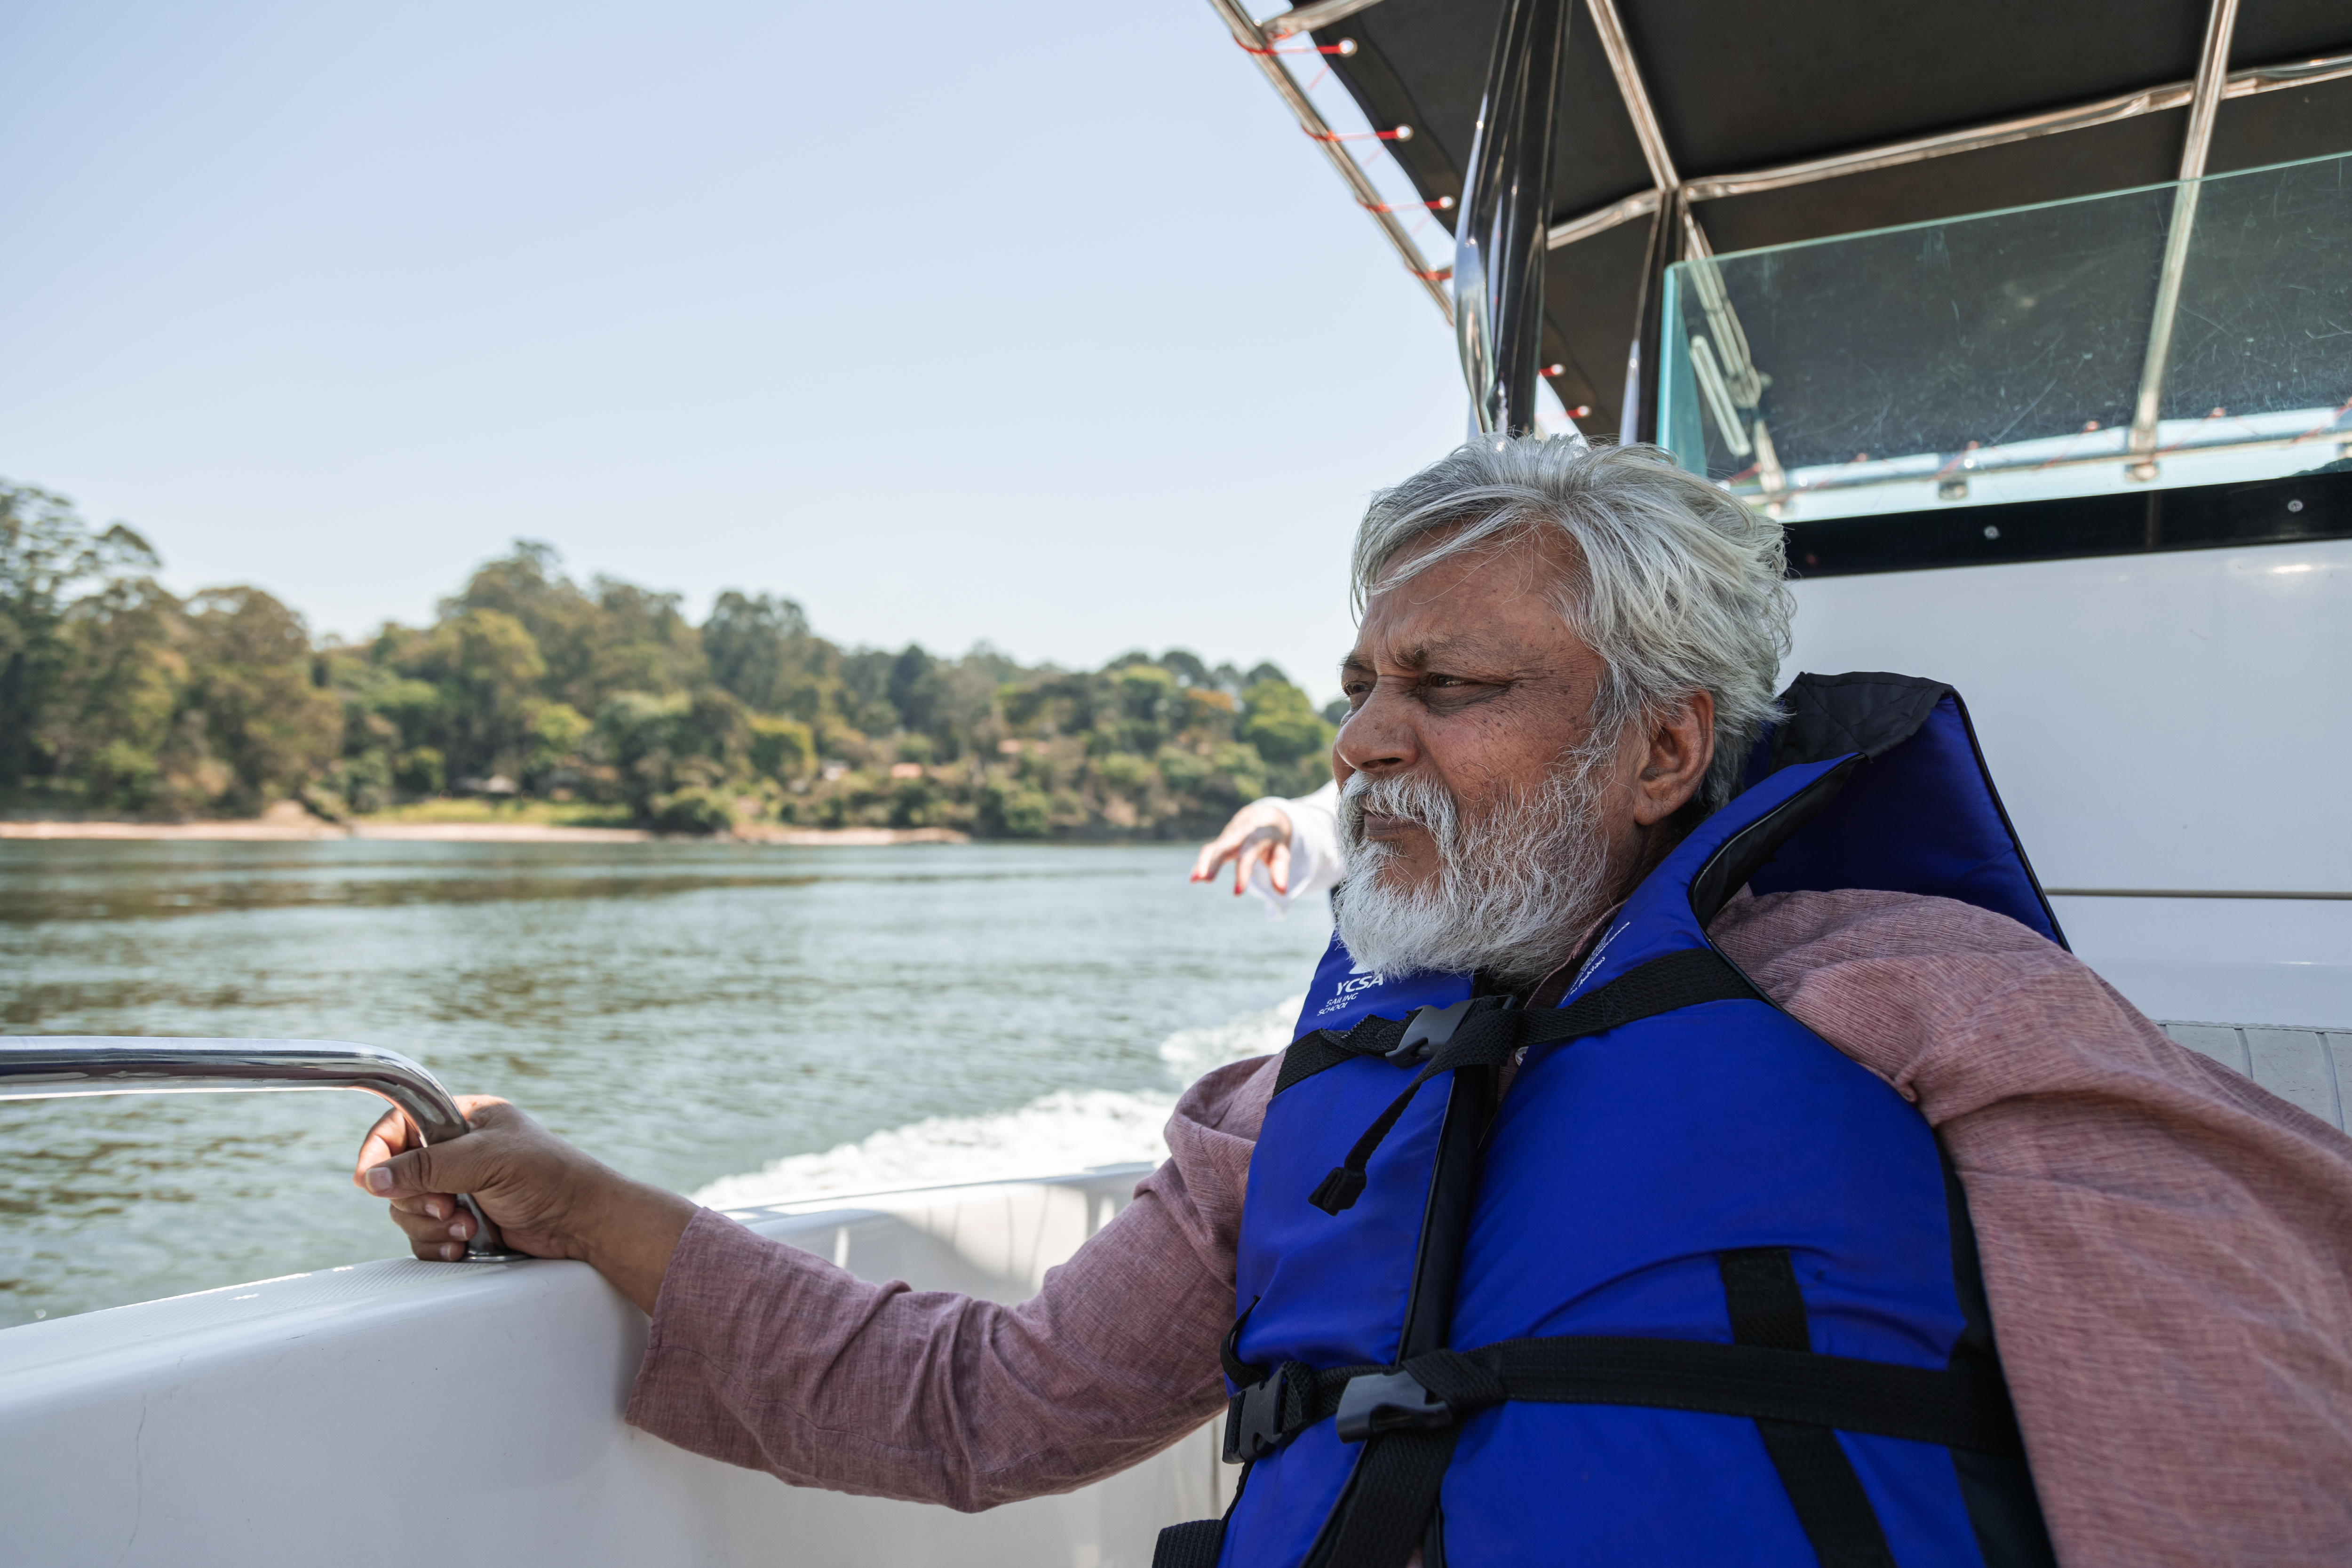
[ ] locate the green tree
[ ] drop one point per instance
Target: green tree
(761, 650)
(781, 749)
(641, 736)
(126, 677)
(867, 677)
(609, 637)
(386, 715)
(645, 643)
(485, 669)
(1281, 723)
(558, 730)
(566, 626)
(1186, 666)
(662, 745)
(45, 552)
(1010, 809)
(259, 712)
(697, 808)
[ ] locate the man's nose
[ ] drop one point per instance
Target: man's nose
(1377, 738)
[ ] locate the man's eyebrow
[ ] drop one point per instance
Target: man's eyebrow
(1435, 651)
(1472, 649)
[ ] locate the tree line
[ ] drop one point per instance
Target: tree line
(118, 696)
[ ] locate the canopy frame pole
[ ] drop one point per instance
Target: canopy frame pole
(2212, 69)
(1642, 204)
(1619, 49)
(1499, 239)
(2245, 83)
(1671, 226)
(1310, 120)
(1637, 416)
(1307, 18)
(1675, 237)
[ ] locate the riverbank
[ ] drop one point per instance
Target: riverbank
(285, 825)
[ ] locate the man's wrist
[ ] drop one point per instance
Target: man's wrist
(1275, 813)
(627, 1233)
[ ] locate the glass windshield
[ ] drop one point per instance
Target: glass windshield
(2008, 357)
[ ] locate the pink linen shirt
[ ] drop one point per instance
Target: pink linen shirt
(2167, 1250)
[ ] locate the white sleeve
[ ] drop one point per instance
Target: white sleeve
(1317, 863)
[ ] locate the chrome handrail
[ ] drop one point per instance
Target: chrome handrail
(53, 1067)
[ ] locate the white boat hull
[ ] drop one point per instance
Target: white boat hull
(397, 1412)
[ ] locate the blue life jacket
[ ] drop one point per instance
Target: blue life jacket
(1699, 1290)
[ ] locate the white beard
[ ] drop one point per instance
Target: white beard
(1514, 888)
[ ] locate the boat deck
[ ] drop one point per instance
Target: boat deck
(2310, 1068)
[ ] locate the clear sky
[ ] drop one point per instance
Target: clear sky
(1042, 325)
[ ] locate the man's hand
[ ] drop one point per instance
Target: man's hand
(546, 1197)
(1258, 832)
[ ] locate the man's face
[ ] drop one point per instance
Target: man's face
(1465, 678)
(1486, 822)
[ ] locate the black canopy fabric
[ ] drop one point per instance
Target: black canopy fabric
(1737, 88)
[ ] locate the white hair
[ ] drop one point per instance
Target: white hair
(1676, 586)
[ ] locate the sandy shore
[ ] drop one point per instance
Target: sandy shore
(280, 827)
(848, 837)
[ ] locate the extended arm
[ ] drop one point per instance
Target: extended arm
(770, 1357)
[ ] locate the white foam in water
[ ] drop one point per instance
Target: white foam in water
(1189, 1053)
(1067, 1131)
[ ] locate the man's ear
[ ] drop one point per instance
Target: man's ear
(1677, 747)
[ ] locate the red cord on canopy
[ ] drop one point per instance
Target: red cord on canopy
(1401, 133)
(1344, 46)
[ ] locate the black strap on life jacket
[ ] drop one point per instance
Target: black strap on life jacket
(1409, 1415)
(1195, 1543)
(1759, 1285)
(1486, 1031)
(1765, 1383)
(1677, 979)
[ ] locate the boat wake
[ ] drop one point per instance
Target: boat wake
(1067, 1131)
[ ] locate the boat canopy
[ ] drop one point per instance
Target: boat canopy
(1752, 127)
(1849, 258)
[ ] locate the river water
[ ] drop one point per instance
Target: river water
(738, 1022)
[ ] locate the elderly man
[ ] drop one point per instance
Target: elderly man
(1696, 1147)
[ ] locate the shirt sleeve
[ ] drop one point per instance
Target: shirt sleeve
(1316, 862)
(769, 1357)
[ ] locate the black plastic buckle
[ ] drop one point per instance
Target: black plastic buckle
(1254, 1419)
(1429, 1028)
(1379, 1402)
